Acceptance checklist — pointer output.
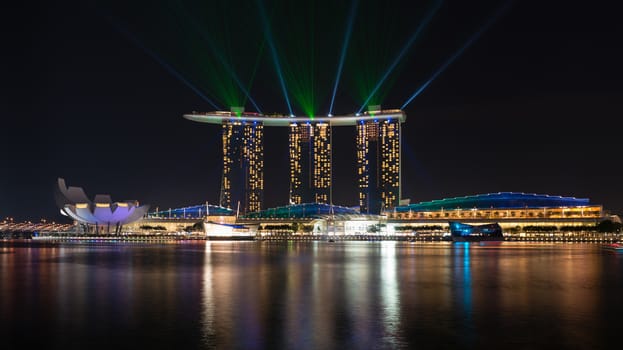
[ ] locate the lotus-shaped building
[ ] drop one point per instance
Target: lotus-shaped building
(101, 211)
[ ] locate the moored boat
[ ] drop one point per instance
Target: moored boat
(229, 231)
(226, 232)
(615, 247)
(461, 232)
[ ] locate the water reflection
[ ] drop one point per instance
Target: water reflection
(390, 295)
(465, 279)
(287, 295)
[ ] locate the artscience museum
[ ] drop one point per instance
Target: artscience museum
(100, 215)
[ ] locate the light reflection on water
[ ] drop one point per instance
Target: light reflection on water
(309, 295)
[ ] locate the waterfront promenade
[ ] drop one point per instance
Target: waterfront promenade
(51, 231)
(588, 237)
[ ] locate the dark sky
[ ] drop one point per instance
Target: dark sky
(532, 105)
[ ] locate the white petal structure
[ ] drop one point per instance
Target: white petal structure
(74, 203)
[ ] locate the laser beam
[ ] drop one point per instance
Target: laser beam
(161, 61)
(404, 50)
(221, 59)
(460, 51)
(349, 30)
(273, 52)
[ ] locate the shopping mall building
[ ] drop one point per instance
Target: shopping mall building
(516, 212)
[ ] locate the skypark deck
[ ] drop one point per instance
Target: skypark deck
(217, 117)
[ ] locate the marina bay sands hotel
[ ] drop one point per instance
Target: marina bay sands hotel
(378, 149)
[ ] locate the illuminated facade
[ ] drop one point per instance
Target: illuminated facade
(512, 210)
(516, 214)
(378, 165)
(310, 151)
(100, 214)
(310, 163)
(243, 165)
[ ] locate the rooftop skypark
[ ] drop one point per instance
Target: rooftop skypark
(217, 117)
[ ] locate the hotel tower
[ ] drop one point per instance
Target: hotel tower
(242, 184)
(310, 162)
(378, 164)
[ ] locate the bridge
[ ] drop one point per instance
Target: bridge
(10, 229)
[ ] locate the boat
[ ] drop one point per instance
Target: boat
(216, 231)
(614, 247)
(222, 231)
(461, 232)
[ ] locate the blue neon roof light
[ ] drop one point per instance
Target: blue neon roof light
(499, 200)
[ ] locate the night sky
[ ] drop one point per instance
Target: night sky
(94, 92)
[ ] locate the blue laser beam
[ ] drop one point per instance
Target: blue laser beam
(460, 51)
(162, 62)
(347, 34)
(221, 59)
(404, 50)
(273, 52)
